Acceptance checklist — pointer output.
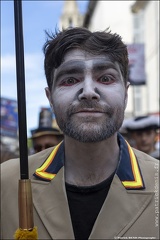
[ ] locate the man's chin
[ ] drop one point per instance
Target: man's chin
(90, 132)
(90, 135)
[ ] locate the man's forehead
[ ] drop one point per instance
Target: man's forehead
(81, 59)
(83, 56)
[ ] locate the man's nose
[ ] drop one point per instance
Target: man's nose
(89, 90)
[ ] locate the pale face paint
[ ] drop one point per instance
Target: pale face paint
(88, 96)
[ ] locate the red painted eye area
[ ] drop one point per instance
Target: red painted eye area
(69, 82)
(106, 79)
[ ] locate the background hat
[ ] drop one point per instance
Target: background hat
(47, 124)
(142, 123)
(41, 131)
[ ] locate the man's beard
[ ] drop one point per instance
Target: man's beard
(88, 129)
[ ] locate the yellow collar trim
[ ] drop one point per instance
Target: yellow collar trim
(137, 183)
(41, 172)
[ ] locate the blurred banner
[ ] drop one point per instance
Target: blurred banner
(9, 118)
(136, 64)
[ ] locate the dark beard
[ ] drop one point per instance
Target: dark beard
(89, 131)
(95, 135)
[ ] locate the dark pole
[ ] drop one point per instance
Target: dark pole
(21, 89)
(26, 222)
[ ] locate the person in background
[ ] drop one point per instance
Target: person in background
(93, 185)
(45, 137)
(144, 132)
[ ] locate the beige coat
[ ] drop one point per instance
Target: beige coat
(125, 214)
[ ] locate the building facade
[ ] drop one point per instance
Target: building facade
(136, 22)
(146, 30)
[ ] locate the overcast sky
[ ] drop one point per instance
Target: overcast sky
(38, 16)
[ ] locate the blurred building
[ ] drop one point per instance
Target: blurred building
(71, 16)
(146, 30)
(9, 126)
(138, 23)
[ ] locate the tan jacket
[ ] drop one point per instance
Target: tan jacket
(125, 214)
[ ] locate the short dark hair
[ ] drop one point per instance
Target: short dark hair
(100, 42)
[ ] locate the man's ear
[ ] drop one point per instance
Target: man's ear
(48, 94)
(126, 94)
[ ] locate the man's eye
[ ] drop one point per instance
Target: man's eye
(106, 79)
(69, 81)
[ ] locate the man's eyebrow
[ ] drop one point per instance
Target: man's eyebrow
(71, 68)
(100, 66)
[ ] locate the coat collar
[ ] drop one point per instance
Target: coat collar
(128, 169)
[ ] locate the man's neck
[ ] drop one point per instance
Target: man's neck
(88, 164)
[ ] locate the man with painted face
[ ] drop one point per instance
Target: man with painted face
(93, 185)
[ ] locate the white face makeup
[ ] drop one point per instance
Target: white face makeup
(89, 96)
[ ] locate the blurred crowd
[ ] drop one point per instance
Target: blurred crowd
(143, 134)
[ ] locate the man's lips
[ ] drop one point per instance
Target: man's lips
(89, 112)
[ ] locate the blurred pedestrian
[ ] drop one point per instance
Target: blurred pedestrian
(46, 137)
(143, 131)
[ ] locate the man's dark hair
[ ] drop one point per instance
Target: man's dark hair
(100, 42)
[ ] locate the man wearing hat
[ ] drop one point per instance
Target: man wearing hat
(143, 130)
(45, 137)
(48, 134)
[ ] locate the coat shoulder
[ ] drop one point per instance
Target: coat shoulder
(10, 169)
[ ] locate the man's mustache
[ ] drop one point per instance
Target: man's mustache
(91, 106)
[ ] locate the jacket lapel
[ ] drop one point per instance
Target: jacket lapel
(126, 197)
(128, 204)
(50, 202)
